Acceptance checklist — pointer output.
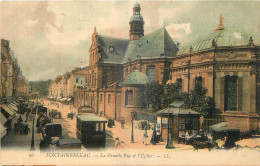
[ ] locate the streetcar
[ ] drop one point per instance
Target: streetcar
(91, 130)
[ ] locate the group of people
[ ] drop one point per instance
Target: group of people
(21, 127)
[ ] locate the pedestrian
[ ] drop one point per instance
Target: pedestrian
(19, 120)
(27, 115)
(123, 123)
(145, 136)
(118, 143)
(154, 137)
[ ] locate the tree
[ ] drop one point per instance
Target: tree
(153, 94)
(158, 96)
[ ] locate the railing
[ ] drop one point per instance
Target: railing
(207, 122)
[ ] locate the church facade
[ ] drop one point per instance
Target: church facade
(226, 62)
(113, 59)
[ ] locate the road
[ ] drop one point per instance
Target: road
(23, 142)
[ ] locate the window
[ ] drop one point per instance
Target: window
(181, 124)
(101, 98)
(150, 72)
(99, 127)
(77, 80)
(230, 95)
(198, 83)
(128, 97)
(164, 123)
(109, 98)
(179, 84)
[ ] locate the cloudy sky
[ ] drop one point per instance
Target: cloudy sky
(50, 38)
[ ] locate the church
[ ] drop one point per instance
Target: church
(119, 68)
(226, 62)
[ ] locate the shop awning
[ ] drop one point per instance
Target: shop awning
(3, 119)
(8, 110)
(12, 106)
(2, 131)
(13, 109)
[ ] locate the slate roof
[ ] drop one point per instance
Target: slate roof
(119, 46)
(157, 44)
(152, 45)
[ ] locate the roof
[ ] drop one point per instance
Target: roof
(224, 126)
(177, 104)
(230, 36)
(135, 78)
(113, 49)
(91, 118)
(177, 111)
(157, 44)
(136, 17)
(65, 141)
(136, 5)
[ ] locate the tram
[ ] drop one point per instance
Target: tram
(91, 130)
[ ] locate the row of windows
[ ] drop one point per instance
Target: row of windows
(108, 98)
(230, 89)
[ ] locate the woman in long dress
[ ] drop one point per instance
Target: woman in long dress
(145, 136)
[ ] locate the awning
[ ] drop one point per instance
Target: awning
(2, 118)
(2, 131)
(224, 127)
(8, 110)
(13, 109)
(12, 106)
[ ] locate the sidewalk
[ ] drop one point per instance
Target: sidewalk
(125, 136)
(13, 141)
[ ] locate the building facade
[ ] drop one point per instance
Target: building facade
(13, 84)
(225, 62)
(113, 61)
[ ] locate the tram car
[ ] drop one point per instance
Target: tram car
(91, 130)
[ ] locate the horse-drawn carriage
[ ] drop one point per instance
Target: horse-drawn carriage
(70, 115)
(55, 114)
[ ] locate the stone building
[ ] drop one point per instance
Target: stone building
(113, 61)
(226, 62)
(13, 84)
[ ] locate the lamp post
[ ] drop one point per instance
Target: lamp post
(32, 142)
(132, 135)
(169, 144)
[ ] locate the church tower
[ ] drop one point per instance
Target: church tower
(136, 23)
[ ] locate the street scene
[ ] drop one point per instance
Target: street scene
(113, 76)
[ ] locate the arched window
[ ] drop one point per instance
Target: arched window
(150, 72)
(109, 98)
(230, 97)
(179, 84)
(198, 83)
(101, 98)
(128, 97)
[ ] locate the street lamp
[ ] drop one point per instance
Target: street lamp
(32, 142)
(169, 144)
(133, 113)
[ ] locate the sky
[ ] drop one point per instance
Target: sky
(52, 37)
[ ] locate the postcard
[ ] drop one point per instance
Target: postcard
(130, 83)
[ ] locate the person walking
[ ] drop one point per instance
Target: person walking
(145, 136)
(154, 137)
